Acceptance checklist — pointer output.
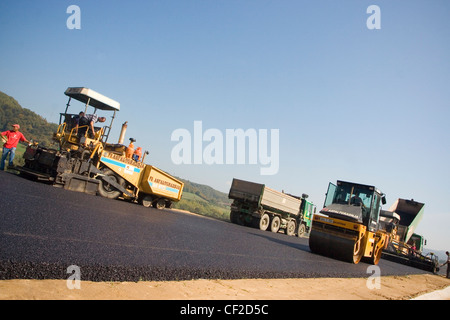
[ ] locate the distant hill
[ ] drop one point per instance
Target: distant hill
(33, 126)
(206, 192)
(204, 200)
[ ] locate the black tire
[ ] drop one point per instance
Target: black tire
(108, 191)
(291, 226)
(264, 222)
(301, 230)
(255, 222)
(146, 200)
(234, 216)
(275, 224)
(160, 204)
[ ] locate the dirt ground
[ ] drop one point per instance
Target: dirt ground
(389, 288)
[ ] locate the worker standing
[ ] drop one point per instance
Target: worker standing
(93, 118)
(448, 264)
(14, 136)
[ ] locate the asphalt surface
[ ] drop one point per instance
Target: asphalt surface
(44, 230)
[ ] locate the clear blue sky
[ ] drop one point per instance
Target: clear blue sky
(370, 106)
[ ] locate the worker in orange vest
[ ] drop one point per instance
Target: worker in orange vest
(137, 154)
(130, 149)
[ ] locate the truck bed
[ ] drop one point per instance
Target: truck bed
(410, 213)
(268, 198)
(160, 183)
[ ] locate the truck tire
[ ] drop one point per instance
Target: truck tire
(264, 222)
(301, 230)
(275, 224)
(146, 200)
(160, 204)
(234, 216)
(291, 226)
(108, 191)
(169, 204)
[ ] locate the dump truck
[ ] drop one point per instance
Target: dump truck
(259, 206)
(348, 228)
(85, 162)
(405, 246)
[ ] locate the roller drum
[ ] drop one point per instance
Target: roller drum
(333, 246)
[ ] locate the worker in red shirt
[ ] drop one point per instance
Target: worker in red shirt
(13, 138)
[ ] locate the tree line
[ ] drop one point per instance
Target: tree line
(33, 126)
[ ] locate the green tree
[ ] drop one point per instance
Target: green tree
(32, 125)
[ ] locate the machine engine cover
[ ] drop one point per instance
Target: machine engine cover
(344, 211)
(46, 157)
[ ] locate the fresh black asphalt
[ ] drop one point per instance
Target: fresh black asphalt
(44, 230)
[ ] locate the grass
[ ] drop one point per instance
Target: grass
(192, 196)
(18, 158)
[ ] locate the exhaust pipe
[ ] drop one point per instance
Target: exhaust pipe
(122, 132)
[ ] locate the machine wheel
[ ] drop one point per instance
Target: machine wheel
(234, 216)
(169, 204)
(254, 223)
(160, 204)
(275, 225)
(301, 230)
(291, 226)
(146, 201)
(108, 191)
(264, 222)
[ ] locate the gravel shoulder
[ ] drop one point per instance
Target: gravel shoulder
(390, 288)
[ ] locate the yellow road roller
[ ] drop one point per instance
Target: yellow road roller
(348, 228)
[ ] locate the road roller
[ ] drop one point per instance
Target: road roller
(348, 228)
